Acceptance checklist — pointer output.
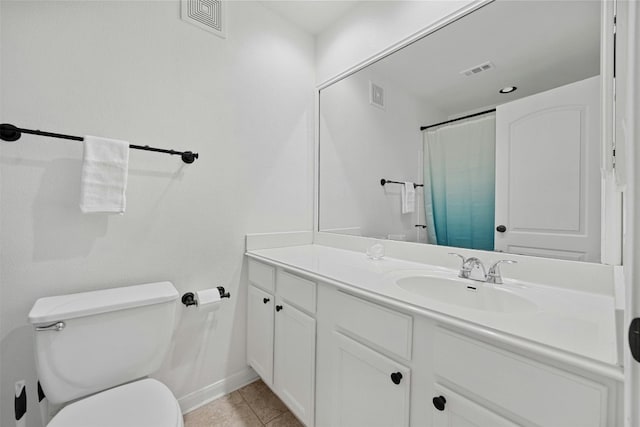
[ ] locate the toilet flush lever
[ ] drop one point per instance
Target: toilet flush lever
(57, 326)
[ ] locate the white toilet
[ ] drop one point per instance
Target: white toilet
(97, 348)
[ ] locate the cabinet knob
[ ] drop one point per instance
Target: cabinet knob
(439, 402)
(265, 300)
(501, 229)
(279, 307)
(396, 377)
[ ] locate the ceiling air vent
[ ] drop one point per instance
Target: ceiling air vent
(206, 14)
(478, 69)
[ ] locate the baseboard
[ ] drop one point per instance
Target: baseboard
(216, 390)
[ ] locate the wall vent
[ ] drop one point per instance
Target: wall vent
(376, 95)
(478, 69)
(206, 14)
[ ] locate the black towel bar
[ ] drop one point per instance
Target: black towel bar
(10, 132)
(384, 181)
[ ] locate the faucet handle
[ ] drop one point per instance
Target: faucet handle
(496, 265)
(464, 260)
(465, 269)
(493, 275)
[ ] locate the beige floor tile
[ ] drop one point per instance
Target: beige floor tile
(228, 411)
(285, 420)
(264, 403)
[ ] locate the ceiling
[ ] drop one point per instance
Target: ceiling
(313, 16)
(534, 45)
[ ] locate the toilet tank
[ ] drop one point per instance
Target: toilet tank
(109, 337)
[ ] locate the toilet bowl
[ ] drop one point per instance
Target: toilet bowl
(96, 349)
(143, 403)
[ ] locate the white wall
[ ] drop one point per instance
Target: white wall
(362, 143)
(372, 27)
(135, 71)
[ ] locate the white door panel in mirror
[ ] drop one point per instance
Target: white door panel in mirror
(550, 203)
(534, 46)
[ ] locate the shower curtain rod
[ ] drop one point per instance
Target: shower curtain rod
(12, 133)
(459, 118)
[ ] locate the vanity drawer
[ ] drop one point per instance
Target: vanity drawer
(541, 394)
(262, 275)
(297, 291)
(385, 328)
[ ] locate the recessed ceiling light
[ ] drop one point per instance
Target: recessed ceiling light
(508, 89)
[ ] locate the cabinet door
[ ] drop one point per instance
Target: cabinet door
(541, 394)
(365, 389)
(260, 333)
(459, 411)
(295, 356)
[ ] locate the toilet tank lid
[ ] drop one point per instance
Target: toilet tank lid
(64, 307)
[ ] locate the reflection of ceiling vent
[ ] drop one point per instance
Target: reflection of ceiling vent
(376, 95)
(206, 14)
(478, 69)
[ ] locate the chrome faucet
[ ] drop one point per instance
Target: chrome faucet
(493, 276)
(472, 268)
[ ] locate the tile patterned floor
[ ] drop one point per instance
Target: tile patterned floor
(254, 405)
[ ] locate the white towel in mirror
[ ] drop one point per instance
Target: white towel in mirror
(408, 197)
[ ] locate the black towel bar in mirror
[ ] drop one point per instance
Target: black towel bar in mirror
(384, 181)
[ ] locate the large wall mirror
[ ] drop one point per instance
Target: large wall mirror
(484, 134)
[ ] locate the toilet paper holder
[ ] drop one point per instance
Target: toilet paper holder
(189, 298)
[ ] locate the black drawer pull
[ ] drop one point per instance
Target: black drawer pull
(396, 377)
(279, 307)
(265, 300)
(439, 402)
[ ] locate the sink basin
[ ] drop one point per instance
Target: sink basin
(460, 292)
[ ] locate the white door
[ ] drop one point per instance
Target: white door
(548, 173)
(370, 389)
(294, 360)
(454, 410)
(260, 333)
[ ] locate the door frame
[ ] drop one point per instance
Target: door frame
(631, 119)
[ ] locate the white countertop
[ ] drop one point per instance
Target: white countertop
(565, 323)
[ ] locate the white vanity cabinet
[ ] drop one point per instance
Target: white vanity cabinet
(383, 363)
(370, 388)
(447, 379)
(458, 411)
(281, 335)
(294, 360)
(363, 351)
(522, 389)
(260, 307)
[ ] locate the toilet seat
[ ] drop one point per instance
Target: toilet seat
(142, 403)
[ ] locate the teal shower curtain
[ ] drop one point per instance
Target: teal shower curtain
(459, 183)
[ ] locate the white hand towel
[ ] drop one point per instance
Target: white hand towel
(104, 175)
(408, 197)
